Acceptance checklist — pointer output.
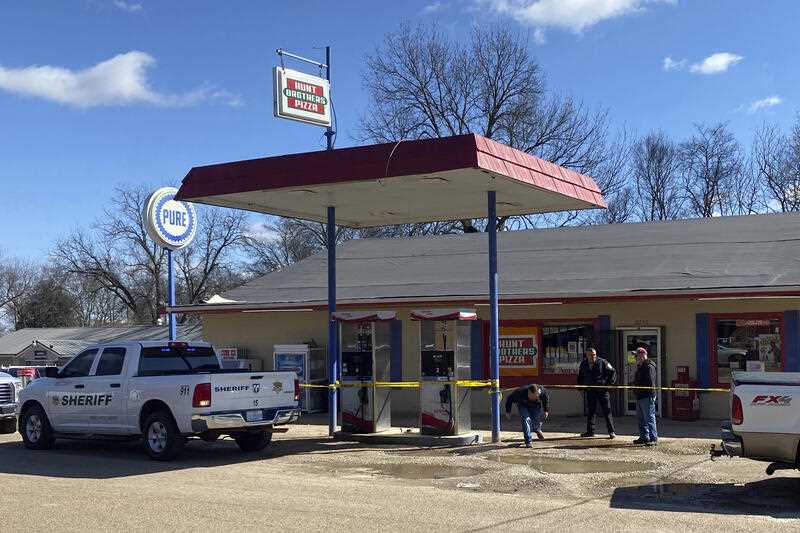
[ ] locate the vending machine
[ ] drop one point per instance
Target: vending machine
(311, 365)
(365, 341)
(445, 359)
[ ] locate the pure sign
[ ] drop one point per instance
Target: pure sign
(302, 97)
(169, 222)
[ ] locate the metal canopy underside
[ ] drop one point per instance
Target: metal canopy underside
(395, 183)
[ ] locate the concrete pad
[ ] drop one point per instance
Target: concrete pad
(411, 438)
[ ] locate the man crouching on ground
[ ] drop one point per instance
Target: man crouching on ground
(532, 405)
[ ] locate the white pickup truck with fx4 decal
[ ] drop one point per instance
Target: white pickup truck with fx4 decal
(162, 393)
(765, 419)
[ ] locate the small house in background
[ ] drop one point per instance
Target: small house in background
(55, 346)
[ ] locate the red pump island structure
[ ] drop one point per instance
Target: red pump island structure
(409, 181)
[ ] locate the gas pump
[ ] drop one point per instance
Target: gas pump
(445, 359)
(365, 341)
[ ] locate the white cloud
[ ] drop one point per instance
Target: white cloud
(769, 101)
(433, 7)
(538, 36)
(716, 63)
(671, 64)
(573, 15)
(121, 80)
(128, 6)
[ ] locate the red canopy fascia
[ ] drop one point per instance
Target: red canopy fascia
(392, 183)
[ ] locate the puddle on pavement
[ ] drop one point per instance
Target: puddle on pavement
(552, 465)
(415, 471)
(408, 471)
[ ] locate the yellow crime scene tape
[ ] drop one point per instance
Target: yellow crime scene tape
(479, 384)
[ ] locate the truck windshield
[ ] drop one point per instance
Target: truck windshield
(161, 360)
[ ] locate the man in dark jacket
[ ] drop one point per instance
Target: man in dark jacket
(532, 405)
(597, 372)
(646, 376)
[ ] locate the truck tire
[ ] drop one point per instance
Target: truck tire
(161, 439)
(253, 442)
(34, 426)
(8, 426)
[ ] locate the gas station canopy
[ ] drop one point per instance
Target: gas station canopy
(395, 183)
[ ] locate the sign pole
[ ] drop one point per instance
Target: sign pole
(494, 318)
(173, 327)
(329, 131)
(333, 344)
(172, 225)
(333, 341)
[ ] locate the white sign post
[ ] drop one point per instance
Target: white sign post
(302, 97)
(172, 225)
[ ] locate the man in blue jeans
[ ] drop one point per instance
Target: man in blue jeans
(532, 405)
(646, 377)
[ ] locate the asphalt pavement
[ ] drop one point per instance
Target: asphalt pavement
(305, 481)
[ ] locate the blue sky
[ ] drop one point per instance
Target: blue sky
(178, 84)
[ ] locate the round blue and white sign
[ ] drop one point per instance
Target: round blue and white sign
(169, 222)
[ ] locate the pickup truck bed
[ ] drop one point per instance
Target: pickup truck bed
(765, 418)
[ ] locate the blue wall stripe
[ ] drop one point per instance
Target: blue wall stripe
(702, 326)
(476, 340)
(791, 339)
(396, 362)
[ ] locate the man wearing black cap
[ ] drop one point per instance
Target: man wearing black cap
(596, 372)
(532, 405)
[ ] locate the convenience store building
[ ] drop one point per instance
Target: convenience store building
(711, 294)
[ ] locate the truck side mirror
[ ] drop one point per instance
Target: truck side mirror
(51, 372)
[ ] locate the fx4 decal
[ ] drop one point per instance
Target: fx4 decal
(769, 399)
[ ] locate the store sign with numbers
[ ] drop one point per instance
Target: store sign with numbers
(302, 97)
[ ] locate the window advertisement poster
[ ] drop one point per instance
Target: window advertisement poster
(291, 362)
(519, 351)
(769, 351)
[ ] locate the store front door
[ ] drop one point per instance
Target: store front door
(650, 339)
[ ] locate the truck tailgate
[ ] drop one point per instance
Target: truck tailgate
(768, 408)
(252, 390)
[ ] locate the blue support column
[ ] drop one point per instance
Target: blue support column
(173, 327)
(494, 317)
(333, 345)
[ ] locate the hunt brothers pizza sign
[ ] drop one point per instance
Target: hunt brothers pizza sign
(519, 351)
(302, 97)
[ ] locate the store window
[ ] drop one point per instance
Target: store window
(563, 347)
(739, 340)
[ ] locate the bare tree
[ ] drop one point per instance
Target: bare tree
(428, 85)
(94, 306)
(206, 267)
(711, 164)
(279, 242)
(776, 160)
(17, 278)
(659, 194)
(117, 256)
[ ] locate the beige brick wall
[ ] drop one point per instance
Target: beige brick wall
(259, 332)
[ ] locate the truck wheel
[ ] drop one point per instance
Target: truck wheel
(35, 429)
(253, 442)
(8, 426)
(162, 440)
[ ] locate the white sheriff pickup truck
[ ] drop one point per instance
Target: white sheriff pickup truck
(765, 419)
(160, 392)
